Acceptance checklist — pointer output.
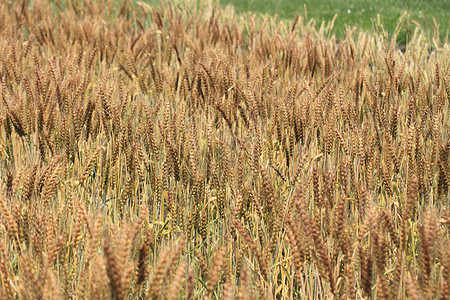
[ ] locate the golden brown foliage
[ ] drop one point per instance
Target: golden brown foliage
(152, 152)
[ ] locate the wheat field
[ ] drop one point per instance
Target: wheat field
(187, 152)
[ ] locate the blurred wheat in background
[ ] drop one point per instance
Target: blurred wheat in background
(183, 151)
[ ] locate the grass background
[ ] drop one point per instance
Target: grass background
(362, 14)
(356, 13)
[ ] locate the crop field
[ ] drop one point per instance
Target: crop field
(182, 151)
